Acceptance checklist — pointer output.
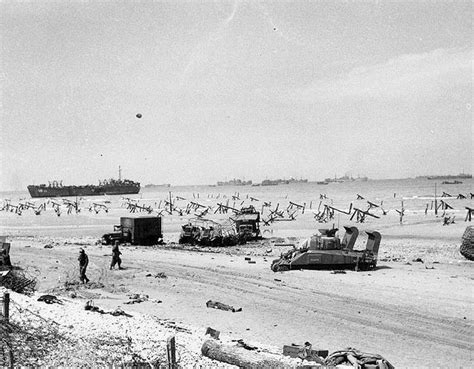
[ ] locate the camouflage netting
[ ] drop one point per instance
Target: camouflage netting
(467, 246)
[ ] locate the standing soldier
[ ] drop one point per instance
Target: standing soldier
(116, 256)
(83, 262)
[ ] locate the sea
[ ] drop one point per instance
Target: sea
(299, 204)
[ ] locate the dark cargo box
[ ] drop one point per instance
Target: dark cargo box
(141, 230)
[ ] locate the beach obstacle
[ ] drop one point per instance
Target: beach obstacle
(275, 213)
(444, 205)
(297, 206)
(359, 197)
(361, 214)
(447, 220)
(372, 205)
(461, 197)
(470, 211)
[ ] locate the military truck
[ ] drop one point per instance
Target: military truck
(136, 231)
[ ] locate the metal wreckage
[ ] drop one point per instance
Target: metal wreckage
(243, 227)
(327, 251)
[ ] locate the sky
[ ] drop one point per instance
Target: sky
(237, 89)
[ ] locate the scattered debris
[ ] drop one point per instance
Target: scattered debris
(357, 359)
(221, 306)
(161, 275)
(241, 343)
(136, 298)
(418, 260)
(213, 333)
(117, 312)
(338, 272)
(18, 281)
(50, 299)
(49, 246)
(252, 262)
(305, 352)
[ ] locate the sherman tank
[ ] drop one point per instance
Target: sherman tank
(327, 251)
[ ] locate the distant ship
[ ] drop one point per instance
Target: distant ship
(461, 175)
(235, 182)
(106, 187)
(451, 182)
(346, 178)
(164, 185)
(274, 182)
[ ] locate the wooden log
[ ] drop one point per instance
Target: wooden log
(239, 356)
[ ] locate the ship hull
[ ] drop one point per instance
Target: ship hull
(68, 191)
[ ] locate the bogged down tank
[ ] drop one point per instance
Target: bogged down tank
(326, 251)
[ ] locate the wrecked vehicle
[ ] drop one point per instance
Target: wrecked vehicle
(206, 232)
(136, 231)
(247, 223)
(327, 251)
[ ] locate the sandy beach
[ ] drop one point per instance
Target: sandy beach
(415, 308)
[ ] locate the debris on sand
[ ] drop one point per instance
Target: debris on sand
(213, 333)
(136, 298)
(117, 312)
(357, 359)
(160, 275)
(50, 299)
(241, 343)
(18, 281)
(221, 306)
(305, 352)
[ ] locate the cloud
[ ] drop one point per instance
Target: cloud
(407, 76)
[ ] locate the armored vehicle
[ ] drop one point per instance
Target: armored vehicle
(327, 251)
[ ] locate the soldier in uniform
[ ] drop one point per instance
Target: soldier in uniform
(83, 262)
(116, 256)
